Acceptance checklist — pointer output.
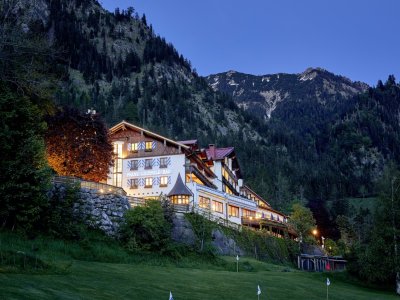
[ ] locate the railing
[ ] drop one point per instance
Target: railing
(206, 213)
(101, 187)
(134, 201)
(229, 198)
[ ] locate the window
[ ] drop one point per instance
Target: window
(204, 202)
(163, 181)
(163, 162)
(180, 199)
(118, 149)
(149, 146)
(248, 213)
(217, 206)
(134, 165)
(134, 147)
(134, 183)
(148, 164)
(148, 182)
(233, 211)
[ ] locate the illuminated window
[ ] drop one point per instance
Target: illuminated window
(204, 202)
(227, 190)
(163, 162)
(148, 164)
(225, 174)
(118, 150)
(134, 183)
(180, 199)
(217, 206)
(149, 146)
(134, 147)
(248, 213)
(148, 183)
(163, 181)
(134, 165)
(233, 211)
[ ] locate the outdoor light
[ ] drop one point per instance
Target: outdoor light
(315, 232)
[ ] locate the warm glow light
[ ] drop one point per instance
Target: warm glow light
(315, 232)
(101, 191)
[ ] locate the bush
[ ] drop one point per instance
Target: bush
(146, 228)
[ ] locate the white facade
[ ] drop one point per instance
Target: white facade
(147, 177)
(220, 204)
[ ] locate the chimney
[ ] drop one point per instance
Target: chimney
(211, 147)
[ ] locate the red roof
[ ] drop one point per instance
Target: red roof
(220, 153)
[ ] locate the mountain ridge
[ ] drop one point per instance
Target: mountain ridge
(273, 89)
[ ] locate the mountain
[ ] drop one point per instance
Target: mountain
(310, 137)
(267, 95)
(288, 97)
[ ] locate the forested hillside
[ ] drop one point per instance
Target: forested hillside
(318, 138)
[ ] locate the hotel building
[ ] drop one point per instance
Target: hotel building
(148, 165)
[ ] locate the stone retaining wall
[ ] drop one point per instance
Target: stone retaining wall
(100, 210)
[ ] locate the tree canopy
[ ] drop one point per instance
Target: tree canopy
(78, 145)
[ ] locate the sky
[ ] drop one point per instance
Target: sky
(359, 39)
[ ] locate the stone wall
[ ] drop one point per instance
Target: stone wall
(100, 210)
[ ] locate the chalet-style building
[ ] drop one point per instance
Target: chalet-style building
(203, 180)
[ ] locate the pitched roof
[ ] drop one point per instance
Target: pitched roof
(220, 153)
(179, 188)
(188, 142)
(124, 124)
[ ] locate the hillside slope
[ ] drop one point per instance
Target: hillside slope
(298, 136)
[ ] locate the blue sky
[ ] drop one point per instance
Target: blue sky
(359, 39)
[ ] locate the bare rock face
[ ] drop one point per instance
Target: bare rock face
(265, 94)
(182, 230)
(225, 245)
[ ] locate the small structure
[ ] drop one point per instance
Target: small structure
(318, 263)
(180, 194)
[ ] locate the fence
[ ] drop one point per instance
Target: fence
(101, 187)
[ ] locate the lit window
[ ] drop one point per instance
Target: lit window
(180, 199)
(118, 150)
(148, 163)
(134, 165)
(163, 181)
(149, 146)
(248, 213)
(134, 183)
(204, 202)
(163, 162)
(217, 206)
(134, 147)
(148, 182)
(233, 211)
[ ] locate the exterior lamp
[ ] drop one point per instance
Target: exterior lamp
(315, 232)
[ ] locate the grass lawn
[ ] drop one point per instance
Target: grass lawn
(93, 280)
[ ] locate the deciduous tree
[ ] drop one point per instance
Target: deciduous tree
(78, 145)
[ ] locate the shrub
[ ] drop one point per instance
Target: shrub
(146, 228)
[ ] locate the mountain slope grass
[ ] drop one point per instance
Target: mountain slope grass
(91, 280)
(97, 268)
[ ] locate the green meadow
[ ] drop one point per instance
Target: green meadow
(52, 269)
